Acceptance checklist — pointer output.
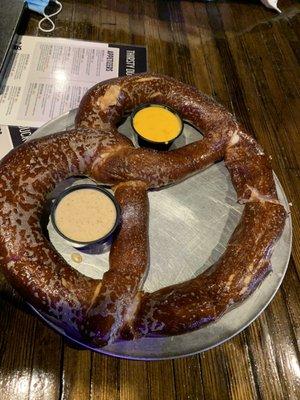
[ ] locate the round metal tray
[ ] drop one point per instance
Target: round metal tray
(190, 225)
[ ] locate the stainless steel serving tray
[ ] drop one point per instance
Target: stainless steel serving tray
(190, 225)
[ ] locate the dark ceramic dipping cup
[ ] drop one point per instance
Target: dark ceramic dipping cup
(167, 114)
(85, 216)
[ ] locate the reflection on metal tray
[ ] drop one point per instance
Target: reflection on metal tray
(190, 224)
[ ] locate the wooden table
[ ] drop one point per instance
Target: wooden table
(246, 57)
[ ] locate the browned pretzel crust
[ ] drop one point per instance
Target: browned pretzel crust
(115, 307)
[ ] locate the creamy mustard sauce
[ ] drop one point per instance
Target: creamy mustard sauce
(85, 215)
(157, 124)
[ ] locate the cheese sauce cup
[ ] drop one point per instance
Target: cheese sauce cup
(85, 215)
(156, 125)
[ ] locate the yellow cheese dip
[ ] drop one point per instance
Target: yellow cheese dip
(85, 215)
(156, 123)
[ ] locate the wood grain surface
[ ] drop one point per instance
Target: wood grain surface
(247, 57)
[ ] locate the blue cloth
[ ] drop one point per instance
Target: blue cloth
(37, 5)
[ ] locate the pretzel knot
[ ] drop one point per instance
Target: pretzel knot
(115, 307)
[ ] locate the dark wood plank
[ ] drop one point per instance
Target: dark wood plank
(284, 346)
(196, 39)
(263, 356)
(273, 103)
(227, 371)
(76, 374)
(17, 333)
(205, 52)
(46, 366)
(214, 374)
(291, 292)
(133, 380)
(188, 378)
(105, 378)
(161, 383)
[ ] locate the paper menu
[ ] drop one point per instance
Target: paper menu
(48, 76)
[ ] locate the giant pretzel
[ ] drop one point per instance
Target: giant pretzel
(116, 307)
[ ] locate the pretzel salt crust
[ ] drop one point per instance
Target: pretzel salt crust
(116, 308)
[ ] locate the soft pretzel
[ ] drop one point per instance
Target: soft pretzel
(115, 308)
